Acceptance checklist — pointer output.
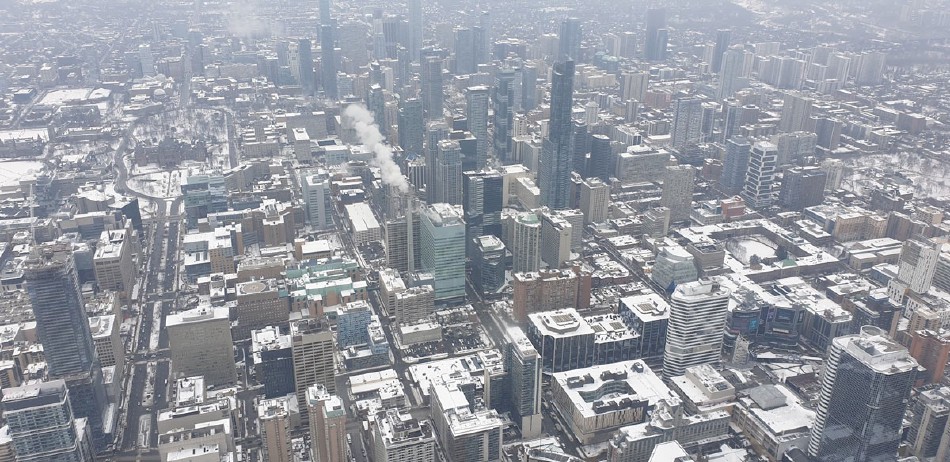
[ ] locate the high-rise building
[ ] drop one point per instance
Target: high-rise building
(595, 200)
(113, 261)
(569, 40)
(802, 187)
(315, 186)
(273, 361)
(201, 344)
(328, 60)
(327, 425)
(732, 72)
(482, 199)
(581, 147)
(467, 430)
(869, 68)
(674, 266)
(488, 264)
(556, 235)
(525, 242)
(796, 110)
(416, 29)
(503, 108)
(927, 429)
(274, 420)
(259, 304)
(436, 131)
(399, 437)
(529, 87)
(735, 164)
(635, 85)
(476, 111)
(757, 191)
(698, 312)
(795, 147)
(601, 160)
(432, 96)
(448, 173)
(42, 424)
(864, 390)
(63, 329)
(305, 66)
(442, 239)
(523, 364)
(557, 156)
(314, 354)
(656, 35)
(547, 290)
(410, 126)
(402, 251)
(723, 40)
(687, 123)
(678, 184)
(464, 51)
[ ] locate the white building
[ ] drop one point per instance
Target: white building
(698, 313)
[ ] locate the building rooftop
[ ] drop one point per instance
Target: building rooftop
(565, 322)
(778, 409)
(610, 387)
(647, 308)
(200, 314)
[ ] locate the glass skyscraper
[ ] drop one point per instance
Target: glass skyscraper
(557, 157)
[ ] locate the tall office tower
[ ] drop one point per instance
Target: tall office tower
(529, 87)
(436, 132)
(795, 147)
(523, 364)
(416, 29)
(442, 238)
(628, 45)
(315, 186)
(839, 67)
(432, 86)
(635, 85)
(687, 123)
(63, 328)
(352, 44)
(147, 59)
(273, 361)
(503, 108)
(464, 51)
(732, 76)
(656, 38)
(569, 40)
(43, 426)
(259, 304)
(327, 425)
(796, 110)
(735, 164)
(674, 266)
(410, 124)
(595, 200)
(525, 242)
(402, 253)
(723, 40)
(482, 198)
(554, 179)
(733, 116)
(864, 391)
(314, 354)
(328, 60)
(483, 38)
(930, 413)
(869, 68)
(448, 173)
(581, 147)
(305, 66)
(698, 312)
(200, 344)
(757, 191)
(488, 264)
(556, 235)
(399, 437)
(274, 420)
(476, 111)
(917, 266)
(709, 121)
(802, 187)
(601, 162)
(678, 183)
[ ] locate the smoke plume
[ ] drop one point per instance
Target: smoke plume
(368, 132)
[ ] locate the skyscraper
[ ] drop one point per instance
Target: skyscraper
(42, 424)
(569, 40)
(410, 124)
(416, 29)
(732, 76)
(436, 131)
(698, 313)
(802, 187)
(482, 193)
(635, 85)
(529, 87)
(442, 239)
(678, 184)
(524, 374)
(327, 425)
(476, 110)
(314, 358)
(448, 173)
(795, 112)
(687, 123)
(723, 39)
(864, 392)
(757, 191)
(657, 37)
(305, 66)
(557, 156)
(63, 329)
(735, 163)
(464, 51)
(432, 85)
(601, 160)
(328, 60)
(503, 105)
(201, 344)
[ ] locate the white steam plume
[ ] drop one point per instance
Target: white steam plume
(366, 129)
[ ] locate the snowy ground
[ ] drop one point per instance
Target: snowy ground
(12, 172)
(154, 182)
(928, 177)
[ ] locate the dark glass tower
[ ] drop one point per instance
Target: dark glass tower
(557, 150)
(864, 391)
(600, 164)
(503, 100)
(432, 84)
(305, 63)
(735, 163)
(328, 60)
(482, 193)
(410, 123)
(569, 40)
(656, 35)
(723, 39)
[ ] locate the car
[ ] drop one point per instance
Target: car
(349, 439)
